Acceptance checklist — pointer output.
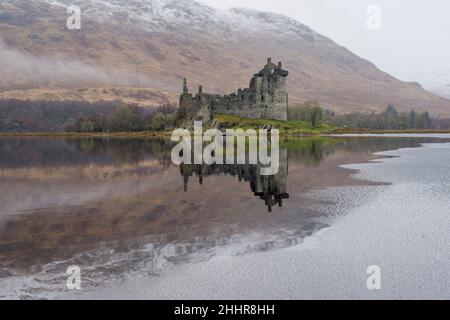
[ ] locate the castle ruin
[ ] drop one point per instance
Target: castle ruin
(266, 98)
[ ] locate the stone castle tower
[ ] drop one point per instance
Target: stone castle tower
(266, 98)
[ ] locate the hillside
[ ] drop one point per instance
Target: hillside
(129, 95)
(155, 43)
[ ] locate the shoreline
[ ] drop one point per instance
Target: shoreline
(141, 134)
(167, 134)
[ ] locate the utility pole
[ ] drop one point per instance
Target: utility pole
(138, 84)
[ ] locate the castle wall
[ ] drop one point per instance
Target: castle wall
(266, 98)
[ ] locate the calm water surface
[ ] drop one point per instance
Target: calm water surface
(118, 207)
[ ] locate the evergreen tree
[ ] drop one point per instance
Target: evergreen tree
(413, 119)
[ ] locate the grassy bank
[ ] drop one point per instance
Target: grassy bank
(285, 127)
(289, 128)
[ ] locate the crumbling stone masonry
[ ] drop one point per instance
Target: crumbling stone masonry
(266, 98)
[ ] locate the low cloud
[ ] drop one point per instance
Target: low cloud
(24, 70)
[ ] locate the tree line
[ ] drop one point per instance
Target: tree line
(126, 118)
(26, 115)
(310, 111)
(115, 116)
(390, 119)
(82, 116)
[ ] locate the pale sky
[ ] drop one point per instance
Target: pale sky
(412, 44)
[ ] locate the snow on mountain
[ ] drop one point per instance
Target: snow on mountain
(160, 15)
(257, 21)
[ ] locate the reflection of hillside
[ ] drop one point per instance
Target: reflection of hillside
(271, 189)
(53, 152)
(91, 172)
(315, 149)
(93, 159)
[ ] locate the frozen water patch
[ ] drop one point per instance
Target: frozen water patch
(403, 228)
(409, 166)
(113, 267)
(336, 202)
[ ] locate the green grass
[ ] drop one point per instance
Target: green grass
(286, 127)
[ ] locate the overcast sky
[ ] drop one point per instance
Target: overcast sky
(413, 42)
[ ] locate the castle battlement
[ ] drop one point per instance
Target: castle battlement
(265, 98)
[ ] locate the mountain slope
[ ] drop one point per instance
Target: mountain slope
(165, 40)
(443, 91)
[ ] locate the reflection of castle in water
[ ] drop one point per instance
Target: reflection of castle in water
(271, 189)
